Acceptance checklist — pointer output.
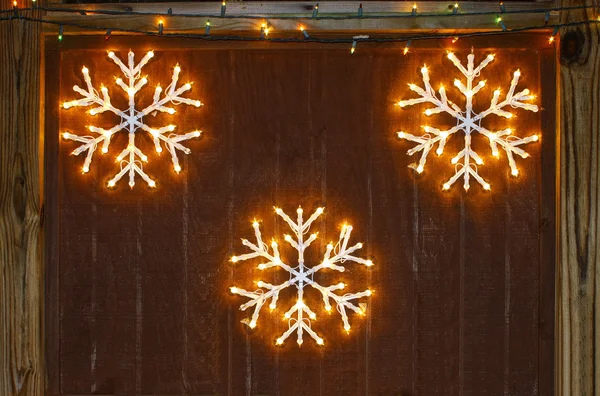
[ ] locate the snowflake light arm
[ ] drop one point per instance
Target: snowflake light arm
(467, 160)
(432, 135)
(131, 158)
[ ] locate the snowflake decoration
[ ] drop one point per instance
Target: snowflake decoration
(302, 276)
(468, 121)
(131, 157)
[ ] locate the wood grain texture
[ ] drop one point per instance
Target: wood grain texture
(137, 299)
(21, 286)
(578, 318)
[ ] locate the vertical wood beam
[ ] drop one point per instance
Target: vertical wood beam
(578, 294)
(21, 286)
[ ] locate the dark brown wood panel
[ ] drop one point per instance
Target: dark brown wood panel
(137, 280)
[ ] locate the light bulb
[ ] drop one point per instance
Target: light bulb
(369, 292)
(111, 183)
(320, 210)
(401, 135)
(233, 289)
(279, 341)
(446, 186)
(177, 168)
(261, 266)
(515, 172)
(369, 263)
(197, 103)
(478, 161)
(152, 183)
(320, 341)
(171, 111)
(84, 70)
(420, 169)
(104, 150)
(85, 169)
(177, 69)
(234, 259)
(486, 186)
(535, 138)
(252, 324)
(188, 86)
(341, 285)
(517, 73)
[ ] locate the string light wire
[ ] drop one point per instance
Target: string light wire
(321, 40)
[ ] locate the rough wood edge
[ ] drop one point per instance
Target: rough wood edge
(578, 271)
(21, 281)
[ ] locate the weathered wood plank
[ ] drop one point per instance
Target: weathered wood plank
(578, 321)
(21, 298)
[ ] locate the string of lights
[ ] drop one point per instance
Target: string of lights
(306, 36)
(359, 15)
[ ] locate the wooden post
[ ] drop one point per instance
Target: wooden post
(21, 286)
(578, 287)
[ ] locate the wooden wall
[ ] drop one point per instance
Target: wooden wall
(137, 294)
(21, 275)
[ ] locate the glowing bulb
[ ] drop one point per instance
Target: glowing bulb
(188, 86)
(104, 150)
(450, 55)
(171, 111)
(152, 183)
(424, 70)
(119, 81)
(299, 211)
(85, 169)
(144, 80)
(369, 263)
(302, 28)
(369, 292)
(159, 149)
(401, 135)
(446, 186)
(260, 284)
(517, 73)
(160, 22)
(197, 103)
(320, 341)
(535, 138)
(320, 210)
(515, 172)
(272, 306)
(84, 70)
(347, 328)
(177, 69)
(428, 112)
(177, 168)
(405, 51)
(491, 57)
(420, 169)
(479, 161)
(261, 266)
(252, 324)
(341, 285)
(486, 186)
(234, 259)
(111, 54)
(288, 238)
(144, 158)
(233, 289)
(279, 341)
(456, 83)
(312, 316)
(439, 151)
(415, 6)
(66, 105)
(111, 183)
(454, 160)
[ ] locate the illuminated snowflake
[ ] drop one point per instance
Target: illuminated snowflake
(302, 276)
(131, 158)
(468, 121)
